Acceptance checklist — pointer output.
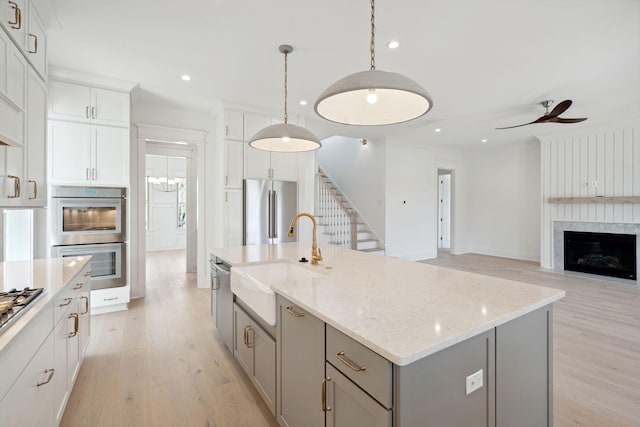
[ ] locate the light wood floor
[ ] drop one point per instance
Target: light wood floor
(596, 341)
(161, 364)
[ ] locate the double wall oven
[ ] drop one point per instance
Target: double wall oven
(92, 221)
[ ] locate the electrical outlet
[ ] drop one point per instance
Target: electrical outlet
(474, 381)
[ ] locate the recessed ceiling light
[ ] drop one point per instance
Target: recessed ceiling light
(303, 102)
(484, 140)
(186, 77)
(437, 130)
(393, 44)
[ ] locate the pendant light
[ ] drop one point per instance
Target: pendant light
(373, 97)
(285, 137)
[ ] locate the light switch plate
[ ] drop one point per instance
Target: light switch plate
(474, 381)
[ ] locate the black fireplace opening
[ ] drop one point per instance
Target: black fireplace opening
(606, 254)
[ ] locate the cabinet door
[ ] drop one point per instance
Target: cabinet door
(69, 101)
(110, 107)
(13, 69)
(257, 162)
(84, 303)
(233, 125)
(285, 166)
(233, 171)
(36, 183)
(301, 362)
(60, 380)
(69, 153)
(233, 219)
(350, 406)
(72, 320)
(241, 346)
(14, 18)
(264, 364)
(29, 401)
(36, 43)
(110, 153)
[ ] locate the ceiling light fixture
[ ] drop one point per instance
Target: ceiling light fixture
(285, 137)
(186, 77)
(393, 44)
(373, 97)
(438, 130)
(303, 102)
(484, 140)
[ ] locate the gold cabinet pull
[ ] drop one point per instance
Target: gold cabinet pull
(35, 43)
(86, 304)
(86, 114)
(350, 364)
(16, 186)
(94, 174)
(51, 373)
(294, 313)
(78, 286)
(16, 14)
(245, 335)
(35, 189)
(93, 112)
(249, 343)
(87, 274)
(325, 408)
(67, 302)
(74, 316)
(86, 174)
(110, 299)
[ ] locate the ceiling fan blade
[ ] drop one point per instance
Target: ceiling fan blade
(517, 126)
(560, 108)
(561, 120)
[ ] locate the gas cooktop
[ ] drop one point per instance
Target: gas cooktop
(14, 303)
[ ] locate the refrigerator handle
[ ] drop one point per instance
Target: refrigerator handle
(274, 217)
(270, 218)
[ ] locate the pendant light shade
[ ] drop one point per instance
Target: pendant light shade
(285, 137)
(373, 97)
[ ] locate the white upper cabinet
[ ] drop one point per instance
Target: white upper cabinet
(14, 18)
(36, 185)
(81, 103)
(82, 154)
(257, 162)
(233, 125)
(21, 21)
(13, 85)
(233, 164)
(36, 43)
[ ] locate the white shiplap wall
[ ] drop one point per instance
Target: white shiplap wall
(597, 161)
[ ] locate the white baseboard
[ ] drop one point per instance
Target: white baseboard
(535, 257)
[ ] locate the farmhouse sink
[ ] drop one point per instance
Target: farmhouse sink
(253, 283)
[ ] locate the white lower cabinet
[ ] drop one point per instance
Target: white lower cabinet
(255, 349)
(30, 401)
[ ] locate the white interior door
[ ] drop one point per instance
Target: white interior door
(444, 211)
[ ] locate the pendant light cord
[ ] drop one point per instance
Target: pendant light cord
(373, 35)
(286, 92)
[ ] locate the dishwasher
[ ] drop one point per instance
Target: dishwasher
(222, 300)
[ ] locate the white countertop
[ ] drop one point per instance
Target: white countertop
(402, 310)
(52, 274)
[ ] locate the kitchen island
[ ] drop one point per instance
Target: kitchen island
(445, 347)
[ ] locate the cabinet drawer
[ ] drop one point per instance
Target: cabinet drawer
(363, 366)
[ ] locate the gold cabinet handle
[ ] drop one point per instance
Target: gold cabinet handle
(94, 174)
(35, 189)
(16, 186)
(249, 343)
(86, 304)
(87, 274)
(51, 373)
(226, 130)
(35, 42)
(350, 364)
(74, 316)
(226, 180)
(93, 112)
(16, 13)
(68, 301)
(86, 174)
(86, 113)
(78, 286)
(110, 299)
(325, 408)
(294, 313)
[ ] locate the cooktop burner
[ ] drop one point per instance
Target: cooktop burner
(14, 303)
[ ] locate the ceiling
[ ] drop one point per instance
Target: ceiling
(485, 63)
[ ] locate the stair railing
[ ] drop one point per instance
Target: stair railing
(341, 221)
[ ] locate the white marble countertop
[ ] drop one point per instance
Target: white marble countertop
(52, 274)
(402, 310)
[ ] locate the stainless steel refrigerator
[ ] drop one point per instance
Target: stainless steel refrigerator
(269, 207)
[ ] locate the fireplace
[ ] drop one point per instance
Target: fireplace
(606, 254)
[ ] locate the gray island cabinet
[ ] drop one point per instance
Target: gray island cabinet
(370, 341)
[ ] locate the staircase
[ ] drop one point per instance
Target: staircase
(339, 223)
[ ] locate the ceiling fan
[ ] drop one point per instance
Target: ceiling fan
(552, 117)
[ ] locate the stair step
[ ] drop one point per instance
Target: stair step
(376, 251)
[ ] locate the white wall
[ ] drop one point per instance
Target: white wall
(504, 197)
(359, 173)
(601, 160)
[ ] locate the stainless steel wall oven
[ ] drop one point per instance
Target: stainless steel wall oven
(92, 221)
